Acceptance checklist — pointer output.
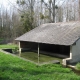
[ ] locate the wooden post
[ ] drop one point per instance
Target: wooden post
(38, 49)
(38, 52)
(19, 49)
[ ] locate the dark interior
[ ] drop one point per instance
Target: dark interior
(50, 49)
(58, 49)
(29, 45)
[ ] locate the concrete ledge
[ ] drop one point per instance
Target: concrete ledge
(4, 51)
(66, 59)
(56, 61)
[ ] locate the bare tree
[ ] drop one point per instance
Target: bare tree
(79, 9)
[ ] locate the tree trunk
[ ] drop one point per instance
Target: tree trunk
(53, 5)
(79, 9)
(32, 13)
(50, 10)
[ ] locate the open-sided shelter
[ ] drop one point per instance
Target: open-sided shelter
(58, 39)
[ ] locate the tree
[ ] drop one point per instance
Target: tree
(51, 7)
(50, 1)
(27, 16)
(79, 9)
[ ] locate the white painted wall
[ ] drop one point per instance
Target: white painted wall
(75, 50)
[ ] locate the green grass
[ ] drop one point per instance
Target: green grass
(14, 68)
(8, 46)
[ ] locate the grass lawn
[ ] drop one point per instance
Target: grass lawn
(8, 46)
(14, 68)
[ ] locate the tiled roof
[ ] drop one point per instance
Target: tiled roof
(65, 33)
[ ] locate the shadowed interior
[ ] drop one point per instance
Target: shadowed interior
(48, 49)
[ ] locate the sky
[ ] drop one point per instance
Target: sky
(4, 2)
(7, 3)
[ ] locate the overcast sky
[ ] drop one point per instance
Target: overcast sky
(7, 3)
(4, 2)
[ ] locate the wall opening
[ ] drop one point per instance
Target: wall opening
(28, 45)
(49, 49)
(56, 49)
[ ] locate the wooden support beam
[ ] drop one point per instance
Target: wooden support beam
(19, 49)
(38, 53)
(38, 49)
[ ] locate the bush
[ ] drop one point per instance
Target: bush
(78, 66)
(15, 50)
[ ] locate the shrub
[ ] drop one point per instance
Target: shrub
(78, 66)
(15, 50)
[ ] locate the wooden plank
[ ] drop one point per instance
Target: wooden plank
(19, 49)
(38, 53)
(38, 49)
